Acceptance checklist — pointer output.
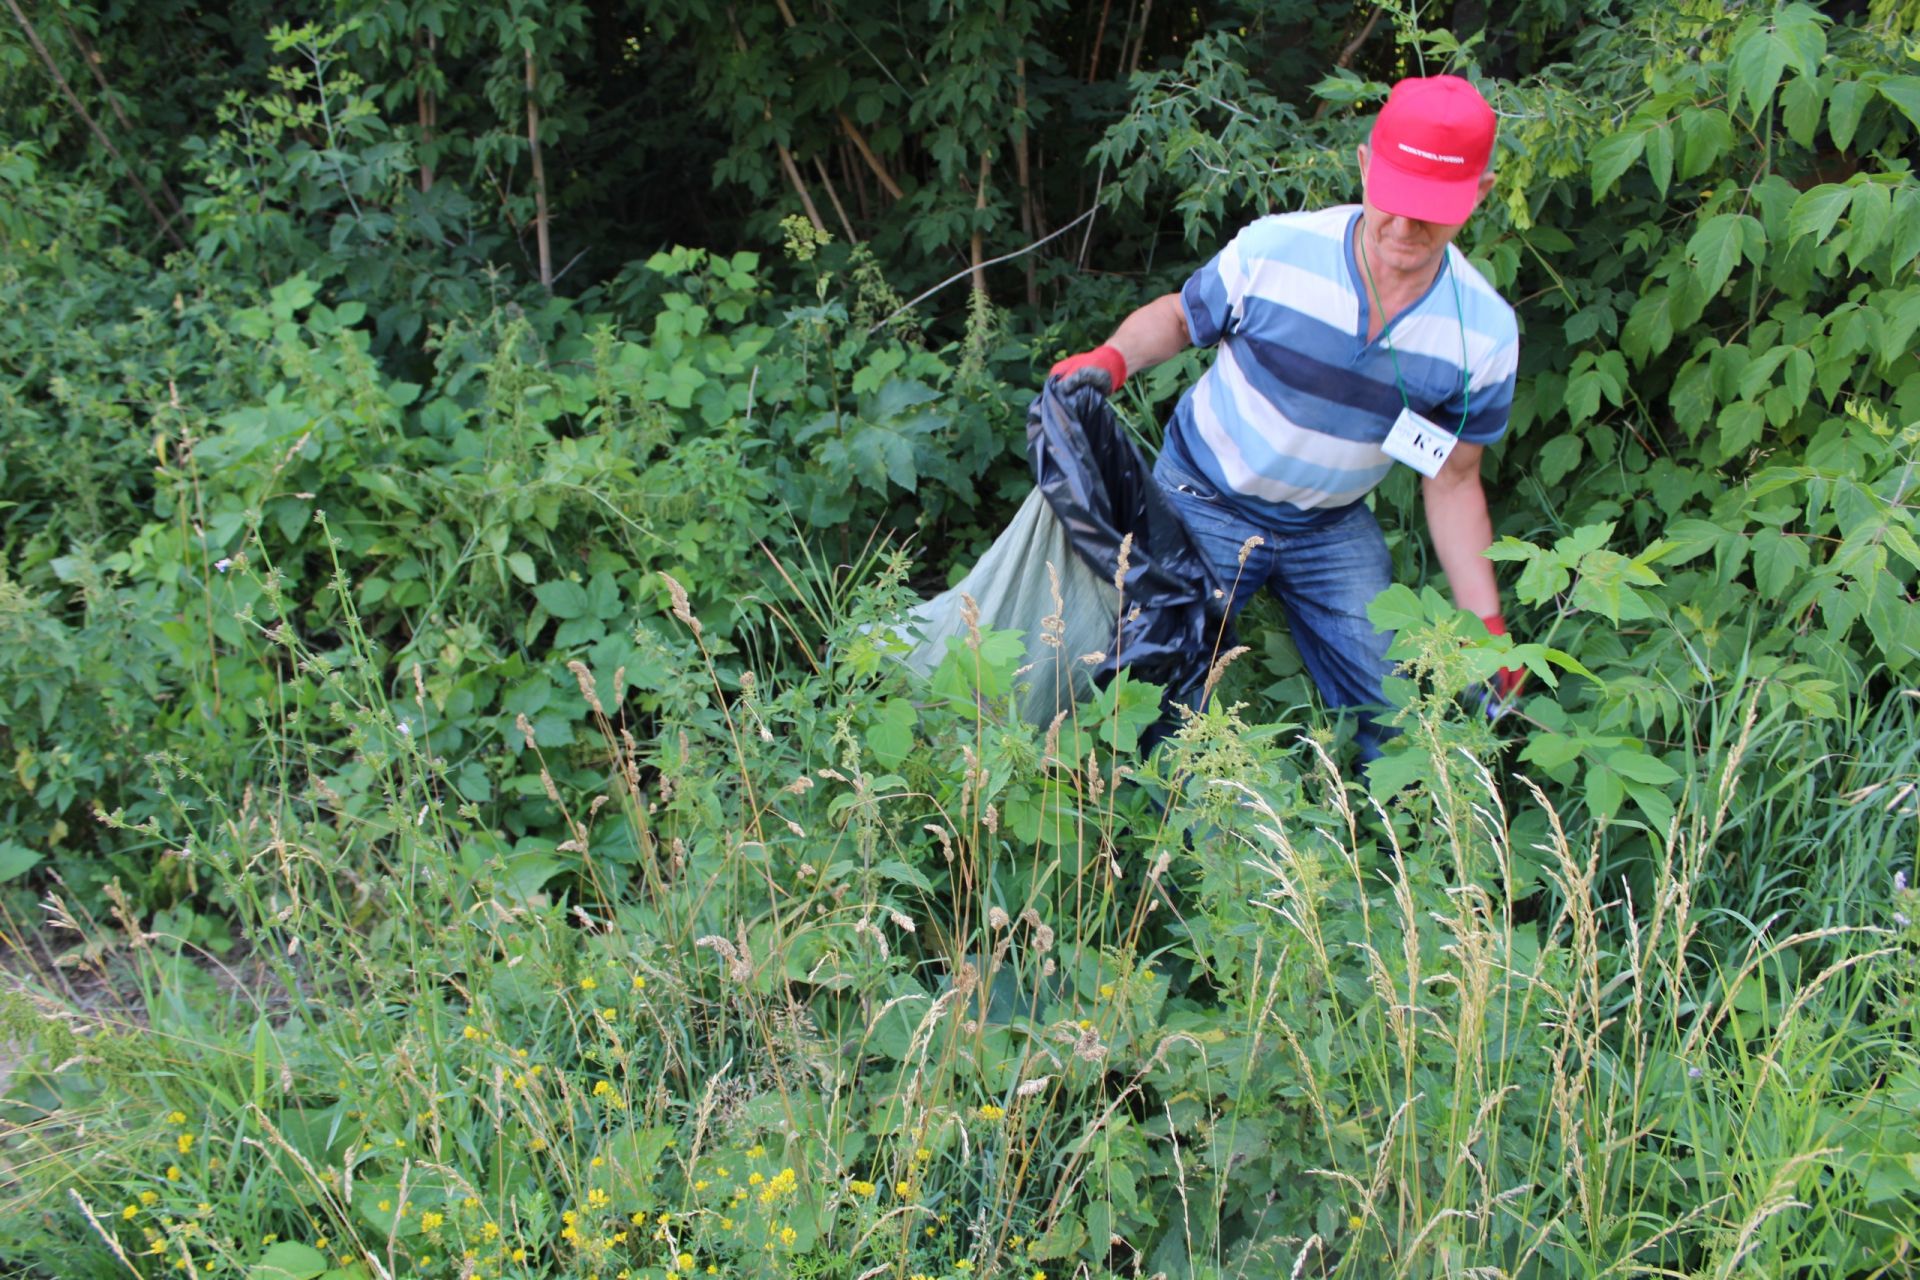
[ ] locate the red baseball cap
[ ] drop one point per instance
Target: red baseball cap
(1430, 145)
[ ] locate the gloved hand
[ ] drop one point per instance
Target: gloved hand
(1103, 368)
(1506, 681)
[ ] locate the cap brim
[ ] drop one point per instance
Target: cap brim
(1415, 196)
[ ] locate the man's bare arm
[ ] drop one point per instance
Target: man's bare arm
(1462, 531)
(1155, 332)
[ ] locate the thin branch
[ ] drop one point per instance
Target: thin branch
(73, 100)
(92, 59)
(961, 275)
(833, 194)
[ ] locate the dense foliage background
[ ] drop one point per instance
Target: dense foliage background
(459, 816)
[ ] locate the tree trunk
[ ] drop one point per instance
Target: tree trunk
(429, 108)
(979, 237)
(541, 218)
(1023, 173)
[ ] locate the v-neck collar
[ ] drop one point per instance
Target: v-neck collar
(1359, 281)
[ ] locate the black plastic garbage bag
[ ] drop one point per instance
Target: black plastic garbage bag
(1101, 488)
(1050, 574)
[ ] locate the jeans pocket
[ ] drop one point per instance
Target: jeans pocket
(1182, 481)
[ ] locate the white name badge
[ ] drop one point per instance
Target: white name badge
(1418, 443)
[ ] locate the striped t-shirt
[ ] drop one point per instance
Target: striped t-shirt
(1289, 420)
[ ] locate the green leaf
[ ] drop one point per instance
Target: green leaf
(898, 871)
(1816, 212)
(1641, 767)
(1552, 750)
(1691, 398)
(1844, 106)
(1559, 456)
(1800, 110)
(1714, 249)
(1706, 135)
(1612, 156)
(289, 1260)
(1396, 609)
(563, 599)
(16, 860)
(1660, 157)
(1904, 93)
(890, 736)
(1867, 219)
(1604, 792)
(521, 565)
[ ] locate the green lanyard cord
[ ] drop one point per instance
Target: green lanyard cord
(1466, 378)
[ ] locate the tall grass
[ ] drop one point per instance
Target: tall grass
(1009, 1002)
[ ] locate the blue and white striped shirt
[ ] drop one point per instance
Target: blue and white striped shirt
(1289, 420)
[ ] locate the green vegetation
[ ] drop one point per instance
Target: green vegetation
(460, 817)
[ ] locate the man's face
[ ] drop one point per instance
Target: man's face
(1406, 246)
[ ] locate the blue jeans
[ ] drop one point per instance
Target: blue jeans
(1324, 577)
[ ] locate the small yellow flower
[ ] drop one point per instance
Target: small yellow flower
(1355, 1222)
(470, 1202)
(385, 1206)
(990, 1112)
(701, 1184)
(755, 1179)
(538, 1144)
(756, 1151)
(598, 1199)
(321, 1242)
(726, 1224)
(963, 1264)
(639, 983)
(860, 1188)
(173, 1173)
(638, 1219)
(148, 1197)
(489, 1231)
(722, 1172)
(683, 1261)
(428, 1221)
(519, 1255)
(597, 1161)
(788, 1235)
(129, 1211)
(921, 1155)
(903, 1189)
(588, 984)
(184, 1142)
(519, 1082)
(176, 1117)
(471, 1032)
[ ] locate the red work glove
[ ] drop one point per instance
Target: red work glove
(1103, 368)
(1507, 680)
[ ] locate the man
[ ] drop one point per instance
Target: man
(1336, 328)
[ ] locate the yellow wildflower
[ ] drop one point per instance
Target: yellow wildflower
(489, 1231)
(756, 1151)
(903, 1189)
(588, 984)
(755, 1179)
(173, 1173)
(385, 1206)
(990, 1112)
(701, 1184)
(598, 1199)
(860, 1188)
(639, 983)
(428, 1221)
(176, 1117)
(963, 1264)
(1355, 1222)
(184, 1142)
(788, 1235)
(148, 1197)
(596, 1162)
(683, 1261)
(129, 1211)
(470, 1202)
(471, 1032)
